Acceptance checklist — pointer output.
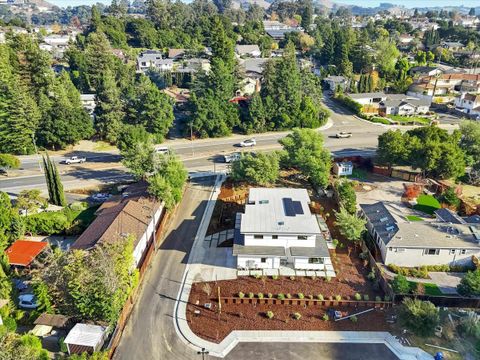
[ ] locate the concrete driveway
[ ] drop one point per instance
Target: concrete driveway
(446, 282)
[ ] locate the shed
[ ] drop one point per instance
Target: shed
(22, 252)
(85, 338)
(53, 320)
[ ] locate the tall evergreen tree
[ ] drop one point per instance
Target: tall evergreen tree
(54, 183)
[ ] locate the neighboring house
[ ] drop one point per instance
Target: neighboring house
(468, 103)
(368, 98)
(277, 30)
(418, 71)
(152, 59)
(22, 252)
(333, 82)
(445, 84)
(192, 66)
(88, 102)
(248, 86)
(405, 39)
(418, 243)
(277, 229)
(132, 213)
(85, 338)
(248, 51)
(400, 104)
(344, 168)
(253, 68)
(452, 45)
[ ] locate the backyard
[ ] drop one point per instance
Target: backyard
(427, 204)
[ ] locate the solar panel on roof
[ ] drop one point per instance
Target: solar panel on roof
(292, 208)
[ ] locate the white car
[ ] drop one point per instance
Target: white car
(248, 143)
(162, 150)
(27, 301)
(228, 158)
(343, 135)
(75, 160)
(101, 197)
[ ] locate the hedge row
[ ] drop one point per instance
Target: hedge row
(422, 271)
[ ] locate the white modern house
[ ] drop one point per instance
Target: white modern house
(418, 243)
(343, 168)
(468, 103)
(277, 229)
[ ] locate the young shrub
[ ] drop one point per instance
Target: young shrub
(358, 297)
(292, 277)
(371, 275)
(335, 243)
(300, 296)
(400, 285)
(260, 295)
(366, 297)
(378, 298)
(386, 298)
(320, 297)
(241, 295)
(325, 317)
(297, 316)
(353, 319)
(310, 297)
(270, 314)
(274, 277)
(313, 277)
(251, 295)
(328, 279)
(269, 295)
(281, 297)
(338, 297)
(258, 276)
(289, 296)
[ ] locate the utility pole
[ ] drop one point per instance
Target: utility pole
(36, 152)
(191, 136)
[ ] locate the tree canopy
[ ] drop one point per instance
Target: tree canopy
(261, 168)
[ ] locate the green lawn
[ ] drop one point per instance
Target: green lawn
(427, 204)
(414, 218)
(359, 174)
(88, 215)
(430, 289)
(408, 119)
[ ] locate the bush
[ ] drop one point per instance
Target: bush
(269, 295)
(379, 120)
(349, 103)
(421, 317)
(78, 206)
(328, 279)
(251, 295)
(371, 275)
(297, 316)
(470, 284)
(338, 297)
(450, 197)
(310, 297)
(270, 314)
(260, 295)
(289, 296)
(241, 295)
(358, 297)
(313, 277)
(257, 276)
(47, 223)
(400, 285)
(62, 345)
(366, 297)
(292, 277)
(378, 298)
(300, 296)
(335, 243)
(274, 277)
(386, 298)
(325, 317)
(281, 297)
(353, 319)
(320, 297)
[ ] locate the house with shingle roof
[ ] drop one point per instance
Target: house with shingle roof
(134, 213)
(417, 243)
(468, 103)
(248, 51)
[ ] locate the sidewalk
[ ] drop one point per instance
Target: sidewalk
(222, 349)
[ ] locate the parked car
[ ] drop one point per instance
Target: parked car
(162, 150)
(20, 285)
(101, 197)
(27, 301)
(75, 160)
(3, 172)
(248, 143)
(228, 158)
(343, 135)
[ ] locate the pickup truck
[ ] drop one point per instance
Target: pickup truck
(75, 160)
(343, 135)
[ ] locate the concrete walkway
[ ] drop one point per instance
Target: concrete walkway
(192, 273)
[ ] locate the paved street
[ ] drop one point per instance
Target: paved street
(199, 155)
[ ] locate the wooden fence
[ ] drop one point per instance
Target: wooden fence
(306, 302)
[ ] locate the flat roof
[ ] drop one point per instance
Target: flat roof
(22, 252)
(320, 249)
(278, 211)
(85, 335)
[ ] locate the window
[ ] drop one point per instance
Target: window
(302, 237)
(258, 236)
(431, 251)
(315, 260)
(263, 260)
(274, 236)
(452, 251)
(464, 251)
(263, 202)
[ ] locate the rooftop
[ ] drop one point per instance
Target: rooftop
(246, 49)
(22, 252)
(278, 211)
(381, 219)
(85, 335)
(53, 320)
(447, 215)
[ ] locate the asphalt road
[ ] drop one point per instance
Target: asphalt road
(199, 155)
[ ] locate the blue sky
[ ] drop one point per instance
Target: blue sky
(407, 3)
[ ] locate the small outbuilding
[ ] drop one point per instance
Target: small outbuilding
(344, 168)
(85, 338)
(23, 252)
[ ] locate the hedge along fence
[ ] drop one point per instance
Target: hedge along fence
(306, 302)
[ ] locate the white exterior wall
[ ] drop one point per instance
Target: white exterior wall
(411, 257)
(270, 263)
(302, 263)
(285, 241)
(142, 243)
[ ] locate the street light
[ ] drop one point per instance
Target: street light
(191, 136)
(203, 352)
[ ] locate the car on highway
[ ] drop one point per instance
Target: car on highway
(27, 301)
(75, 160)
(163, 150)
(228, 158)
(248, 143)
(343, 135)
